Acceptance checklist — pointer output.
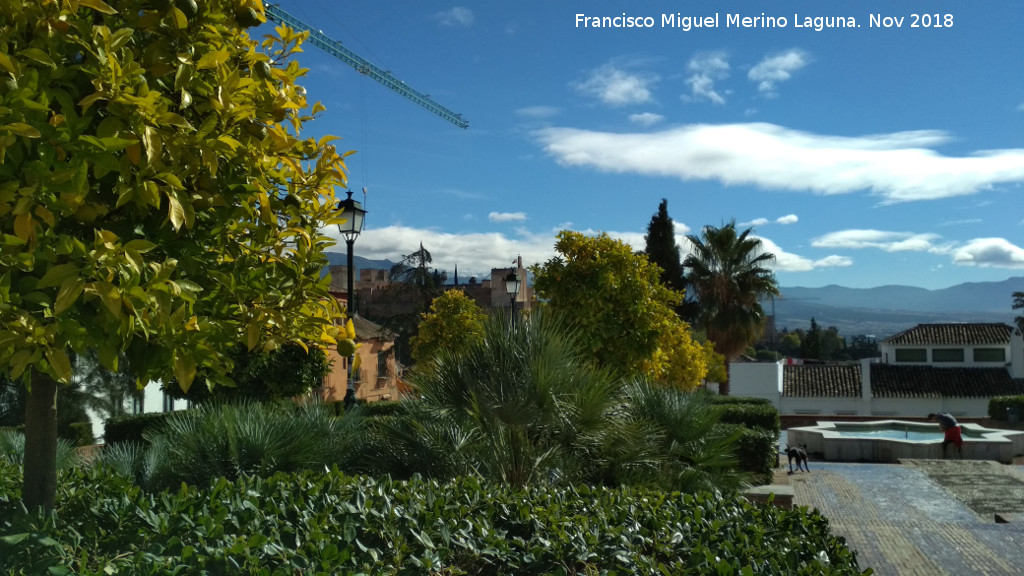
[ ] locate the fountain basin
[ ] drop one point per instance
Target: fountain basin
(893, 440)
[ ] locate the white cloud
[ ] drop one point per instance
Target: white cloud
(455, 17)
(833, 261)
(617, 87)
(777, 68)
(537, 112)
(506, 216)
(900, 166)
(706, 69)
(983, 252)
(646, 118)
(788, 219)
(990, 253)
(882, 240)
(789, 262)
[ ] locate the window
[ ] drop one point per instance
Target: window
(846, 412)
(948, 355)
(138, 402)
(168, 402)
(989, 355)
(382, 365)
(806, 411)
(911, 355)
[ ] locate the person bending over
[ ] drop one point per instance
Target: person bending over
(951, 428)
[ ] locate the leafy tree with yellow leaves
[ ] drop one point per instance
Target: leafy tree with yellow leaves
(624, 315)
(454, 323)
(157, 198)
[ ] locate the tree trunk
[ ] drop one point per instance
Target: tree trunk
(40, 486)
(723, 387)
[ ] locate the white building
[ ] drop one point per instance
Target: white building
(953, 368)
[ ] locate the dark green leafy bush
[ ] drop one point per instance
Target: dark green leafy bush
(329, 523)
(757, 450)
(83, 432)
(132, 428)
(998, 406)
(763, 416)
(383, 408)
(739, 400)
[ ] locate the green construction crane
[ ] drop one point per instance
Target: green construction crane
(334, 48)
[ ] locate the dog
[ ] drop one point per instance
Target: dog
(798, 453)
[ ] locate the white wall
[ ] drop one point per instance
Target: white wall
(757, 380)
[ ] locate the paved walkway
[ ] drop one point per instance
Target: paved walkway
(927, 517)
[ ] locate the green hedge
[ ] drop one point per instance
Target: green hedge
(382, 408)
(132, 427)
(329, 523)
(739, 400)
(756, 415)
(757, 450)
(997, 407)
(83, 434)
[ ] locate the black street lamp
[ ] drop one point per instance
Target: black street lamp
(353, 213)
(512, 287)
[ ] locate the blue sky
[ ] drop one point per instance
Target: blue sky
(861, 156)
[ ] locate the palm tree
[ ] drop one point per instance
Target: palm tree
(728, 273)
(1018, 304)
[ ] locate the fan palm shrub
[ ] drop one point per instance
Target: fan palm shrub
(228, 440)
(695, 453)
(12, 449)
(521, 405)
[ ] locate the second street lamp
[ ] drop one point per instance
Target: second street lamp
(353, 213)
(512, 287)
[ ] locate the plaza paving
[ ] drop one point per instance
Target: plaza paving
(927, 517)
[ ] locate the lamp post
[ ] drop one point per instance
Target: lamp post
(512, 287)
(350, 229)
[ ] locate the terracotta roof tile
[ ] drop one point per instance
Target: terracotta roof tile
(892, 381)
(953, 334)
(366, 329)
(821, 381)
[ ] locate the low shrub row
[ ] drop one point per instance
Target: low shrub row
(757, 415)
(757, 451)
(999, 408)
(132, 427)
(330, 523)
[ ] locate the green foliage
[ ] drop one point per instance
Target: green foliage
(262, 376)
(83, 434)
(728, 273)
(513, 407)
(730, 400)
(329, 523)
(998, 406)
(751, 415)
(157, 198)
(1018, 304)
(413, 279)
(229, 440)
(381, 408)
(526, 406)
(132, 427)
(454, 322)
(757, 450)
(12, 449)
(662, 250)
(622, 312)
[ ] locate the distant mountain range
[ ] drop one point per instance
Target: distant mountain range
(878, 312)
(887, 310)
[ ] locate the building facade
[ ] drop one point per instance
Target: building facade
(953, 368)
